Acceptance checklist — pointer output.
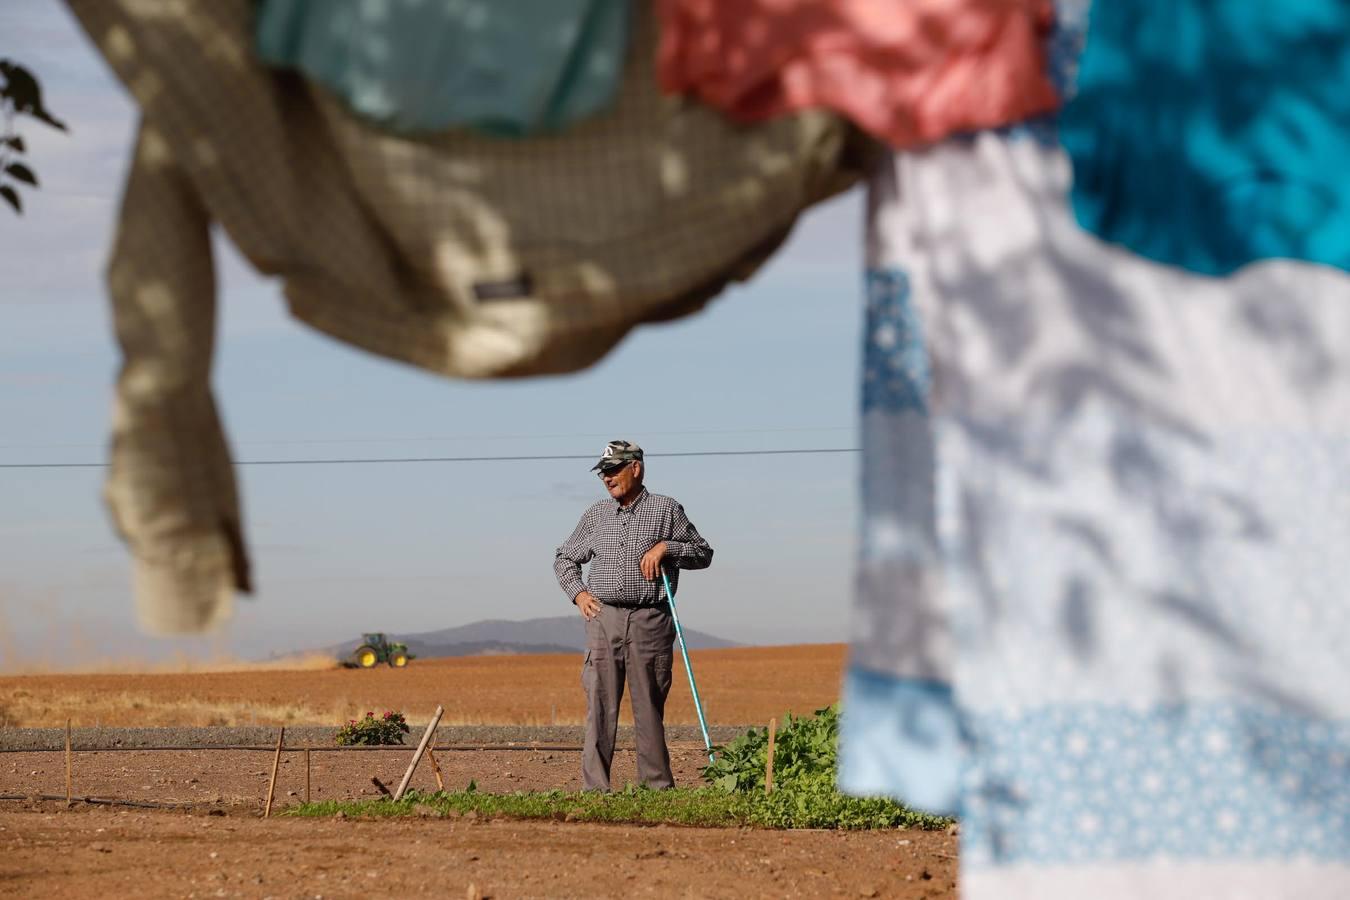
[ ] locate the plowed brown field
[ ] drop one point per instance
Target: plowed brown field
(222, 848)
(99, 852)
(739, 686)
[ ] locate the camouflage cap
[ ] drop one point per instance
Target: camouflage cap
(616, 454)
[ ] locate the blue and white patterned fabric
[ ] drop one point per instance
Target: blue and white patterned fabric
(899, 730)
(1143, 516)
(1105, 543)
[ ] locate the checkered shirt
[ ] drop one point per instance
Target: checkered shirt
(613, 538)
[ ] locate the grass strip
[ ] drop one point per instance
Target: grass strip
(680, 806)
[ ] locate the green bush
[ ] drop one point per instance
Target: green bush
(388, 729)
(805, 764)
(804, 757)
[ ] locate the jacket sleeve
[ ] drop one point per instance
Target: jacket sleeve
(686, 548)
(170, 484)
(568, 558)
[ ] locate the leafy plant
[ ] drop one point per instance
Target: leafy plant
(707, 807)
(388, 729)
(804, 758)
(20, 94)
(805, 764)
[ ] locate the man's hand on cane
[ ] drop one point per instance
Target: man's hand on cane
(589, 606)
(650, 564)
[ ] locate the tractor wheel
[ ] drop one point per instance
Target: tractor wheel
(366, 657)
(398, 659)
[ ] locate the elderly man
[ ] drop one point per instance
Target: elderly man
(627, 539)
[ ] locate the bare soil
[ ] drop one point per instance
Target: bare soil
(220, 847)
(240, 776)
(100, 851)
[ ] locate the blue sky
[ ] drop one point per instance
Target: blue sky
(407, 547)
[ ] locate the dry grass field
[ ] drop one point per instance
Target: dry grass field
(738, 686)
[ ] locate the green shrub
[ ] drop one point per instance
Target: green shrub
(805, 763)
(804, 757)
(388, 729)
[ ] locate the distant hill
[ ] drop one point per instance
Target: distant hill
(557, 634)
(480, 648)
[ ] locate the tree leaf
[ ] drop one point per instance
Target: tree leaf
(20, 172)
(43, 116)
(20, 85)
(12, 196)
(14, 141)
(23, 90)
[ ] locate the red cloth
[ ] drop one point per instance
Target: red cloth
(907, 71)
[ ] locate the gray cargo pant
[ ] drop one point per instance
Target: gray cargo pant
(637, 643)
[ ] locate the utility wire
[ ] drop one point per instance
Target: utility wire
(460, 438)
(454, 459)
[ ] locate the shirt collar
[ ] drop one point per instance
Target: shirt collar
(642, 495)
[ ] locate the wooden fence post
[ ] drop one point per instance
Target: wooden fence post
(768, 761)
(421, 748)
(68, 764)
(276, 762)
(435, 767)
(306, 774)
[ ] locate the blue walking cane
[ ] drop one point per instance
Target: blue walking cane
(684, 651)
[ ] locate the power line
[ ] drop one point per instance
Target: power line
(454, 459)
(464, 438)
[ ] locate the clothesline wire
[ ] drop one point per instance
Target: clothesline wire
(459, 459)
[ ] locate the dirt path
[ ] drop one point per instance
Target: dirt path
(92, 851)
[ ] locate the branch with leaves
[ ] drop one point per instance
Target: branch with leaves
(20, 95)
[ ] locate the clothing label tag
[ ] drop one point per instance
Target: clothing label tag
(520, 286)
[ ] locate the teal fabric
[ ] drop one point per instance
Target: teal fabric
(508, 67)
(1213, 133)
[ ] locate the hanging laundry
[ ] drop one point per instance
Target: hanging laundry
(908, 72)
(899, 734)
(1100, 610)
(507, 67)
(1139, 522)
(1141, 512)
(1212, 133)
(458, 253)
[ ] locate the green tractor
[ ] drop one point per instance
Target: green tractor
(375, 649)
